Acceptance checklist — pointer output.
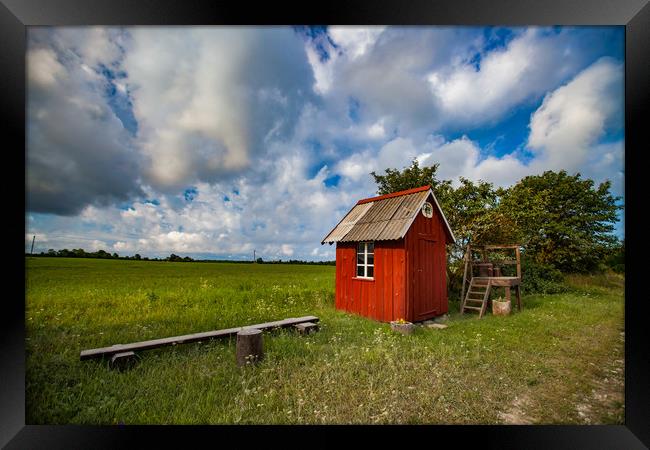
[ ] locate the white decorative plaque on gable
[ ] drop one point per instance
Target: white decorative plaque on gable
(427, 210)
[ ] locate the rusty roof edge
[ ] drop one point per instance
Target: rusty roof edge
(424, 199)
(394, 194)
(324, 241)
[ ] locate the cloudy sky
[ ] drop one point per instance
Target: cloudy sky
(215, 141)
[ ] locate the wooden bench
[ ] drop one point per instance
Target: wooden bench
(185, 339)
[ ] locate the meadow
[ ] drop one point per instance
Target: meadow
(560, 360)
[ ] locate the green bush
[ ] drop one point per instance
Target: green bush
(616, 258)
(539, 278)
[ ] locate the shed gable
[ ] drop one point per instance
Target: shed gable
(387, 217)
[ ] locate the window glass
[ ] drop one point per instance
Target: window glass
(365, 259)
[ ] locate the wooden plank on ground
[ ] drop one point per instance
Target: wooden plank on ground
(307, 327)
(156, 343)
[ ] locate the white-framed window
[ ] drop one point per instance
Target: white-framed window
(366, 260)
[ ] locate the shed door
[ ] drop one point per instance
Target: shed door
(426, 297)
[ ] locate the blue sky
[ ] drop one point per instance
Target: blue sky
(216, 141)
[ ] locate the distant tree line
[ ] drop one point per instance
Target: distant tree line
(297, 261)
(102, 254)
(279, 261)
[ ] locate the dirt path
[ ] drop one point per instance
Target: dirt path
(604, 404)
(517, 414)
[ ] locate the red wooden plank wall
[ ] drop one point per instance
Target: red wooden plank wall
(384, 297)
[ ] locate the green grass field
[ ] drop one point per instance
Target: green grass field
(558, 361)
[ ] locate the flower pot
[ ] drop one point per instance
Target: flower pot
(404, 328)
(500, 308)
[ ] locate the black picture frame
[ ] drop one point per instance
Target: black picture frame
(16, 15)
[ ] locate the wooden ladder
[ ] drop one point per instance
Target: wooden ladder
(476, 293)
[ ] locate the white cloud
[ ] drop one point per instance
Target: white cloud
(208, 99)
(355, 40)
(528, 66)
(323, 70)
(94, 45)
(349, 43)
(120, 246)
(357, 165)
(43, 68)
(424, 79)
(282, 216)
(377, 66)
(572, 118)
(396, 153)
(377, 130)
(78, 152)
(95, 245)
(564, 134)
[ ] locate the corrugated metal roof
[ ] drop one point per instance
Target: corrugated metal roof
(346, 224)
(386, 218)
(382, 210)
(410, 205)
(393, 228)
(365, 231)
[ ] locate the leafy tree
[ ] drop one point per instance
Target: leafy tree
(472, 210)
(260, 261)
(137, 257)
(473, 214)
(411, 177)
(616, 259)
(562, 220)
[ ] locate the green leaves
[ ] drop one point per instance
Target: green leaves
(561, 220)
(411, 177)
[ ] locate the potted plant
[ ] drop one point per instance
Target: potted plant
(500, 307)
(402, 326)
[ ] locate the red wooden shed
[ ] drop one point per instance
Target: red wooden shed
(391, 257)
